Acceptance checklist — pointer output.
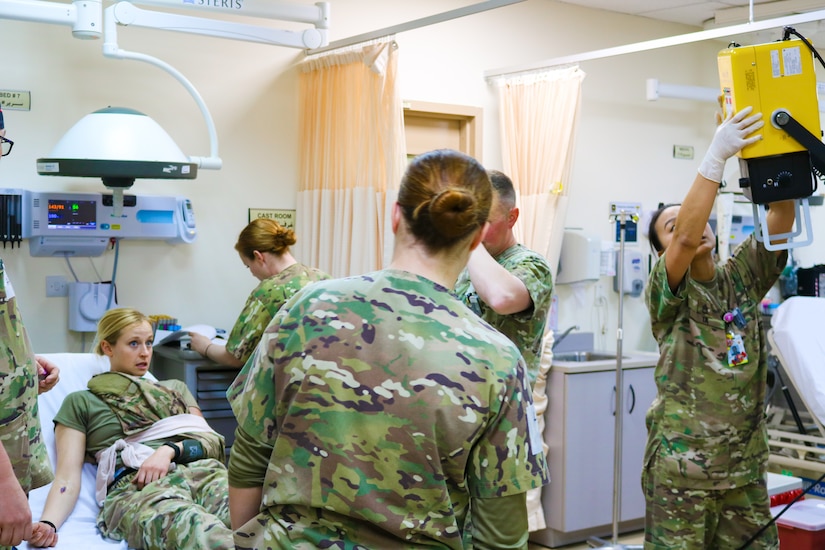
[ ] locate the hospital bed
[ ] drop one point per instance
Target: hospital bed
(79, 531)
(797, 340)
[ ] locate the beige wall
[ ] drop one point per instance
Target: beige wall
(623, 153)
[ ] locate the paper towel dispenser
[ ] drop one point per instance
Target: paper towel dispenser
(580, 258)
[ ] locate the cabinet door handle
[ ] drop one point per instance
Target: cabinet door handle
(632, 399)
(613, 398)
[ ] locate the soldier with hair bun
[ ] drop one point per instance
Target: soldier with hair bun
(378, 410)
(263, 246)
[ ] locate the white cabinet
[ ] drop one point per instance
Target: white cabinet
(578, 502)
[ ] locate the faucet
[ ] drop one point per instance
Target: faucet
(564, 335)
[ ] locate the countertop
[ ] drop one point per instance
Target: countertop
(174, 351)
(630, 360)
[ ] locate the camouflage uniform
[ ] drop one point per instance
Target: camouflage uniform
(525, 328)
(189, 507)
(19, 421)
(707, 449)
(388, 406)
(264, 303)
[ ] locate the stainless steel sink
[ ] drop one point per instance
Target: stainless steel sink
(583, 356)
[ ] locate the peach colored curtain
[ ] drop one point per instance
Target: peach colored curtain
(352, 157)
(539, 114)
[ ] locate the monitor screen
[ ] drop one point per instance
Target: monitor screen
(71, 214)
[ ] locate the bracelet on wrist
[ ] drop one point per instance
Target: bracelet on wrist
(49, 523)
(206, 351)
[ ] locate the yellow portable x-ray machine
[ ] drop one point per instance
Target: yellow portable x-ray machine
(778, 80)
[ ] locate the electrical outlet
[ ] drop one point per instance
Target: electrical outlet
(56, 286)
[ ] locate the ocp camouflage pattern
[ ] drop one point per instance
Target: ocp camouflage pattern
(526, 328)
(262, 305)
(19, 421)
(388, 404)
(188, 508)
(699, 519)
(706, 426)
(138, 403)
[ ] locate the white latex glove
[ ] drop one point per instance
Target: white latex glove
(730, 138)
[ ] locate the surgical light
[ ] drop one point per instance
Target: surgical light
(120, 145)
(117, 145)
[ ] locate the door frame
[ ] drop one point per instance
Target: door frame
(468, 117)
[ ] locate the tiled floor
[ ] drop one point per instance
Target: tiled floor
(630, 538)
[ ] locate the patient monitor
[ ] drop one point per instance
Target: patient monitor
(778, 80)
(84, 224)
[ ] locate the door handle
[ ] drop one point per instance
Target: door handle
(613, 398)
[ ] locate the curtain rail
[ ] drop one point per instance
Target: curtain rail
(414, 24)
(660, 43)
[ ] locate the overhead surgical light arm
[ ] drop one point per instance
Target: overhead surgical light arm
(111, 49)
(127, 14)
(117, 167)
(83, 16)
(317, 15)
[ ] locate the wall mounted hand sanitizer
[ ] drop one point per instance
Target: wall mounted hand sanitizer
(634, 275)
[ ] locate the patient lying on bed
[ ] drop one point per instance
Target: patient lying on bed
(79, 531)
(161, 481)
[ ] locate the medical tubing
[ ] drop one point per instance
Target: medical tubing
(114, 274)
(68, 263)
(779, 515)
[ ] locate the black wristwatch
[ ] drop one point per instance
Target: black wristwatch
(176, 458)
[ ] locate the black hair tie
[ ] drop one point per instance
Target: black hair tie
(49, 523)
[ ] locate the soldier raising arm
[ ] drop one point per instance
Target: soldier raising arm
(707, 452)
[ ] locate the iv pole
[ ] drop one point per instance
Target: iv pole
(620, 214)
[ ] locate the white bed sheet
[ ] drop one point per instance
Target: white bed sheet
(798, 333)
(79, 532)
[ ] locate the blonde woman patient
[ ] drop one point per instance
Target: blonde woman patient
(263, 247)
(161, 479)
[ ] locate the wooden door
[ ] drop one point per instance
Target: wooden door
(431, 126)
